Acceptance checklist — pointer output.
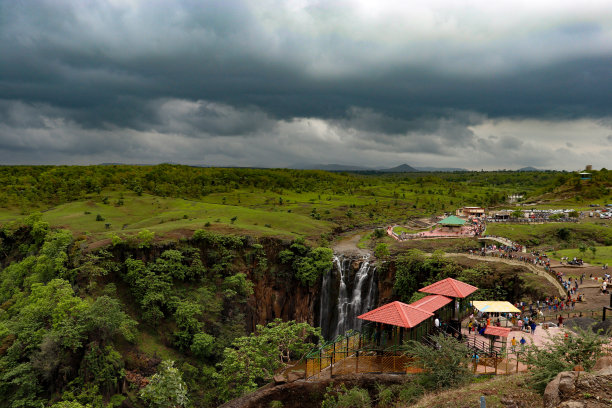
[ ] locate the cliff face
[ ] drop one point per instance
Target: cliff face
(274, 298)
(276, 292)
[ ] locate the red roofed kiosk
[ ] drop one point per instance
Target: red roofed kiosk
(452, 288)
(397, 314)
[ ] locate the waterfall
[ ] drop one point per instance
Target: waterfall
(347, 291)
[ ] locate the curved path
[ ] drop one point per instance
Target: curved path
(501, 240)
(536, 270)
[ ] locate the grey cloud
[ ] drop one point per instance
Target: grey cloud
(143, 80)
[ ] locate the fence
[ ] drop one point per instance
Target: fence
(498, 364)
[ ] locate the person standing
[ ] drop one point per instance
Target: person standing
(560, 320)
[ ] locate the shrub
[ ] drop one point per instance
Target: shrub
(202, 345)
(445, 365)
(166, 389)
(562, 354)
(145, 238)
(99, 218)
(343, 398)
(381, 251)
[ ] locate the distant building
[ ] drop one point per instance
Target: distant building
(589, 167)
(584, 175)
(515, 197)
(470, 212)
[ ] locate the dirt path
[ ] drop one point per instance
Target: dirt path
(347, 245)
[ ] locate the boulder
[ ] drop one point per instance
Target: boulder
(563, 384)
(567, 384)
(551, 393)
(296, 375)
(602, 363)
(280, 378)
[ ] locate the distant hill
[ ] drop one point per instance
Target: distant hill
(528, 168)
(447, 169)
(402, 168)
(330, 167)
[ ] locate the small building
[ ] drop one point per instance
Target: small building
(417, 319)
(585, 175)
(470, 212)
(452, 222)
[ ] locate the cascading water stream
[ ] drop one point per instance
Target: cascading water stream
(345, 294)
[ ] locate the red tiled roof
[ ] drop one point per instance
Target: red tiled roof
(432, 303)
(450, 287)
(397, 314)
(497, 331)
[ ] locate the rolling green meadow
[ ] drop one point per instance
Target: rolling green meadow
(262, 202)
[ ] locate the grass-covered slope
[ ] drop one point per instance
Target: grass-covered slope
(258, 201)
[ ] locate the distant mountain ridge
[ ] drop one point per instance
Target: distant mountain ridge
(402, 168)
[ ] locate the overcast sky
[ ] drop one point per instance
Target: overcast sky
(473, 84)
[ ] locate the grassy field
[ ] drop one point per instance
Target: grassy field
(163, 215)
(399, 230)
(603, 255)
(555, 235)
(258, 202)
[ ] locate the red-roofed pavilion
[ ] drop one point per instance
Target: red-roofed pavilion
(454, 289)
(397, 314)
(450, 287)
(432, 303)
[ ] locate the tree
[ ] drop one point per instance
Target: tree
(593, 249)
(582, 248)
(408, 266)
(166, 389)
(253, 360)
(308, 268)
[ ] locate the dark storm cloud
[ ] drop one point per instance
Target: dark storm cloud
(138, 80)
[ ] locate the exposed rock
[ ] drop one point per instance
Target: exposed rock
(566, 382)
(572, 404)
(551, 393)
(579, 390)
(308, 394)
(603, 362)
(296, 375)
(280, 379)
